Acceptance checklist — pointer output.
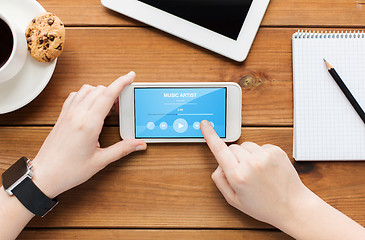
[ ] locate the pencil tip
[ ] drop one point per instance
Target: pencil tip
(327, 64)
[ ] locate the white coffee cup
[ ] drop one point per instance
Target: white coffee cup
(19, 53)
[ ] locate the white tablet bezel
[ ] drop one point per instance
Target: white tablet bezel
(234, 49)
(234, 106)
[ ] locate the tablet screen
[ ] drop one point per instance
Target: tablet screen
(225, 17)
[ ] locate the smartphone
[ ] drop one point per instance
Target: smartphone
(172, 112)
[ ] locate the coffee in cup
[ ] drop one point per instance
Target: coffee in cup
(13, 47)
(6, 42)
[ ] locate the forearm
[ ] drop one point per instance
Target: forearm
(312, 218)
(13, 216)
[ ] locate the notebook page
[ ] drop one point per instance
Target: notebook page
(326, 126)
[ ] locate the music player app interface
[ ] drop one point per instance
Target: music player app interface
(177, 112)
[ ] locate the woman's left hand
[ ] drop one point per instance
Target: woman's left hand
(71, 154)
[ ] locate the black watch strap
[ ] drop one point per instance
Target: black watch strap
(33, 198)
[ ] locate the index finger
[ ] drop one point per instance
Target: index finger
(116, 87)
(103, 105)
(221, 152)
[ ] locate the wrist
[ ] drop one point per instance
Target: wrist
(11, 206)
(300, 212)
(44, 180)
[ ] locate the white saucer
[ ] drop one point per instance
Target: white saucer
(34, 76)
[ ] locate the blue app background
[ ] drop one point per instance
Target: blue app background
(172, 112)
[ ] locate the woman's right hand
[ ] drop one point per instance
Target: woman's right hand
(259, 181)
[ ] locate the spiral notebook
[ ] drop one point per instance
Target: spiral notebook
(326, 126)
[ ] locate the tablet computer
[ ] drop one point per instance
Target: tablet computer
(227, 27)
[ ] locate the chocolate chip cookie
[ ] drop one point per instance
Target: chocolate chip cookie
(45, 37)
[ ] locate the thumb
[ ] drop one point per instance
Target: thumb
(121, 149)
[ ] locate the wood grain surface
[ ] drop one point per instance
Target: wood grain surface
(169, 187)
(328, 13)
(107, 234)
(100, 55)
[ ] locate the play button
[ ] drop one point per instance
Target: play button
(180, 125)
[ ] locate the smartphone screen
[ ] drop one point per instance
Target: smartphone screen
(177, 112)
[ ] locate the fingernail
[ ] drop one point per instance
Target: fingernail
(204, 123)
(141, 147)
(130, 73)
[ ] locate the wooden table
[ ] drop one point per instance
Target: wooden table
(167, 192)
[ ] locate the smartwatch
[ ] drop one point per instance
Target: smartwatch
(17, 180)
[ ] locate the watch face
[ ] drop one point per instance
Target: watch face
(16, 171)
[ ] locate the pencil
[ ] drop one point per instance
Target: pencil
(345, 90)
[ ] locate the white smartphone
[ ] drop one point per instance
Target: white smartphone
(172, 112)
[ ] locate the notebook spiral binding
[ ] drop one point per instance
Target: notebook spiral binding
(301, 34)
